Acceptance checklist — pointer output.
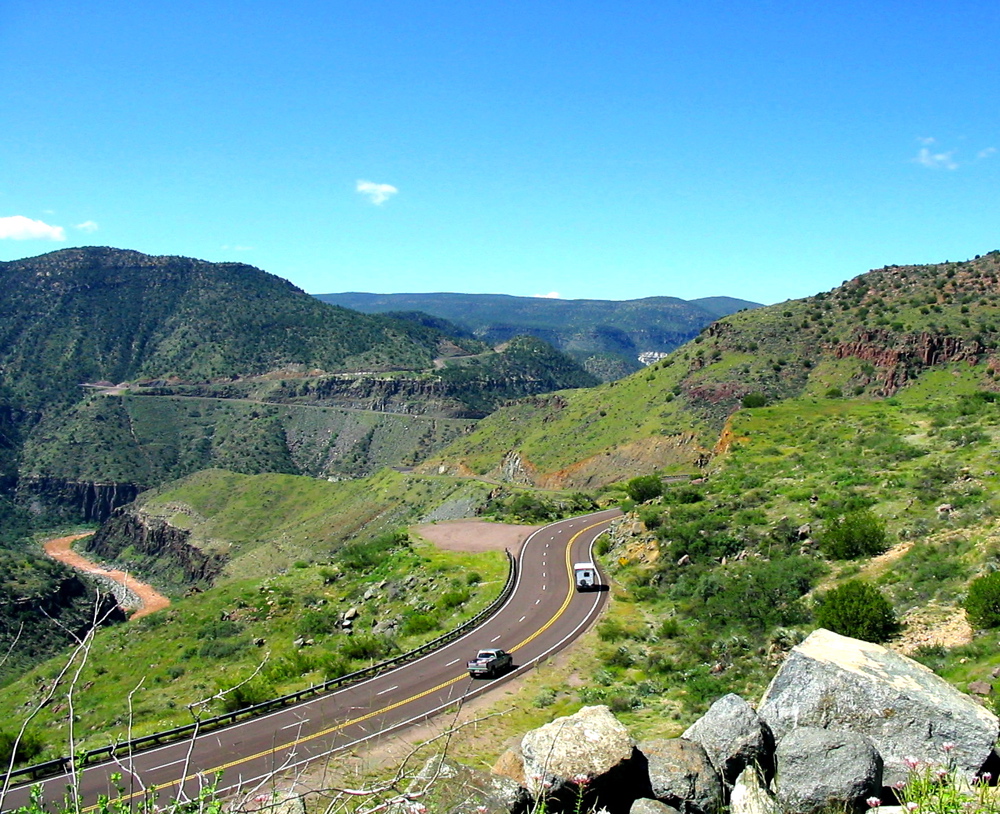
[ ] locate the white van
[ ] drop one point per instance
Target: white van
(586, 576)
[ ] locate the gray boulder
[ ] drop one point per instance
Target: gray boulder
(821, 770)
(734, 736)
(834, 682)
(681, 775)
(585, 758)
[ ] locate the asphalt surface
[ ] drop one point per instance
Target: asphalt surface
(543, 615)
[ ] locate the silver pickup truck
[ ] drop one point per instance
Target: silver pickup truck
(490, 663)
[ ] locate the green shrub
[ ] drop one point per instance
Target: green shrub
(418, 624)
(751, 400)
(854, 534)
(361, 646)
(28, 748)
(983, 602)
(858, 610)
(644, 488)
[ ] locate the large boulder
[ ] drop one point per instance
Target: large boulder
(681, 775)
(734, 736)
(822, 770)
(586, 757)
(834, 682)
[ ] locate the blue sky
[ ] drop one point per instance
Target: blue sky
(603, 150)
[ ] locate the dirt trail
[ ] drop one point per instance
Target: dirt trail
(61, 549)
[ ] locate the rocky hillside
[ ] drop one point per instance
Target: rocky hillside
(87, 331)
(872, 337)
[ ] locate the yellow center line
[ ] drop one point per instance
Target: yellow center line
(338, 727)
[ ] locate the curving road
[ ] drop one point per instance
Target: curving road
(542, 616)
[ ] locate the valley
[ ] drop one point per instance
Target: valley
(786, 454)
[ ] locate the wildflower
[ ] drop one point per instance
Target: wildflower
(948, 746)
(987, 777)
(899, 785)
(911, 762)
(581, 779)
(873, 802)
(912, 806)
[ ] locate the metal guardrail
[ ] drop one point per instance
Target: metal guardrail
(59, 765)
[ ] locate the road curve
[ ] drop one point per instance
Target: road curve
(543, 615)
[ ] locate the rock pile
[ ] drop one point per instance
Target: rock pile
(841, 721)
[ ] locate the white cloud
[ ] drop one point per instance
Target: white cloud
(986, 153)
(552, 295)
(18, 227)
(87, 226)
(936, 161)
(376, 193)
(926, 141)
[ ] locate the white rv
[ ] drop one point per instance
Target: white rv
(585, 574)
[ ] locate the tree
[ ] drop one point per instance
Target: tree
(858, 610)
(644, 487)
(859, 533)
(983, 602)
(751, 400)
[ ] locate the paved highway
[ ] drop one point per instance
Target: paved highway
(543, 615)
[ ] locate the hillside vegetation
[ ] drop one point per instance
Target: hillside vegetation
(87, 330)
(869, 338)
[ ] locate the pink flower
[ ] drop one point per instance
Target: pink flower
(948, 746)
(899, 785)
(873, 802)
(911, 762)
(911, 806)
(987, 777)
(581, 779)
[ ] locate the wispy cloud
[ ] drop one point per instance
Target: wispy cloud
(87, 226)
(552, 295)
(18, 227)
(378, 194)
(936, 161)
(986, 153)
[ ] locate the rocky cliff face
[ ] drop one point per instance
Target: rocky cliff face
(72, 499)
(157, 549)
(899, 358)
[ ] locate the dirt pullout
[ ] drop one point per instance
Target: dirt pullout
(61, 549)
(475, 535)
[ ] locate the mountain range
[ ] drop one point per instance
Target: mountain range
(609, 338)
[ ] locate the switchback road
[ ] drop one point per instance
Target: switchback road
(543, 615)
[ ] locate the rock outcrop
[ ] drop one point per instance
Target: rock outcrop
(735, 737)
(87, 500)
(821, 770)
(834, 682)
(166, 550)
(831, 733)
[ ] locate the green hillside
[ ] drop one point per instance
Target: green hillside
(85, 331)
(299, 553)
(872, 337)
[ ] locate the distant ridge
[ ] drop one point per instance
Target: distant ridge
(606, 336)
